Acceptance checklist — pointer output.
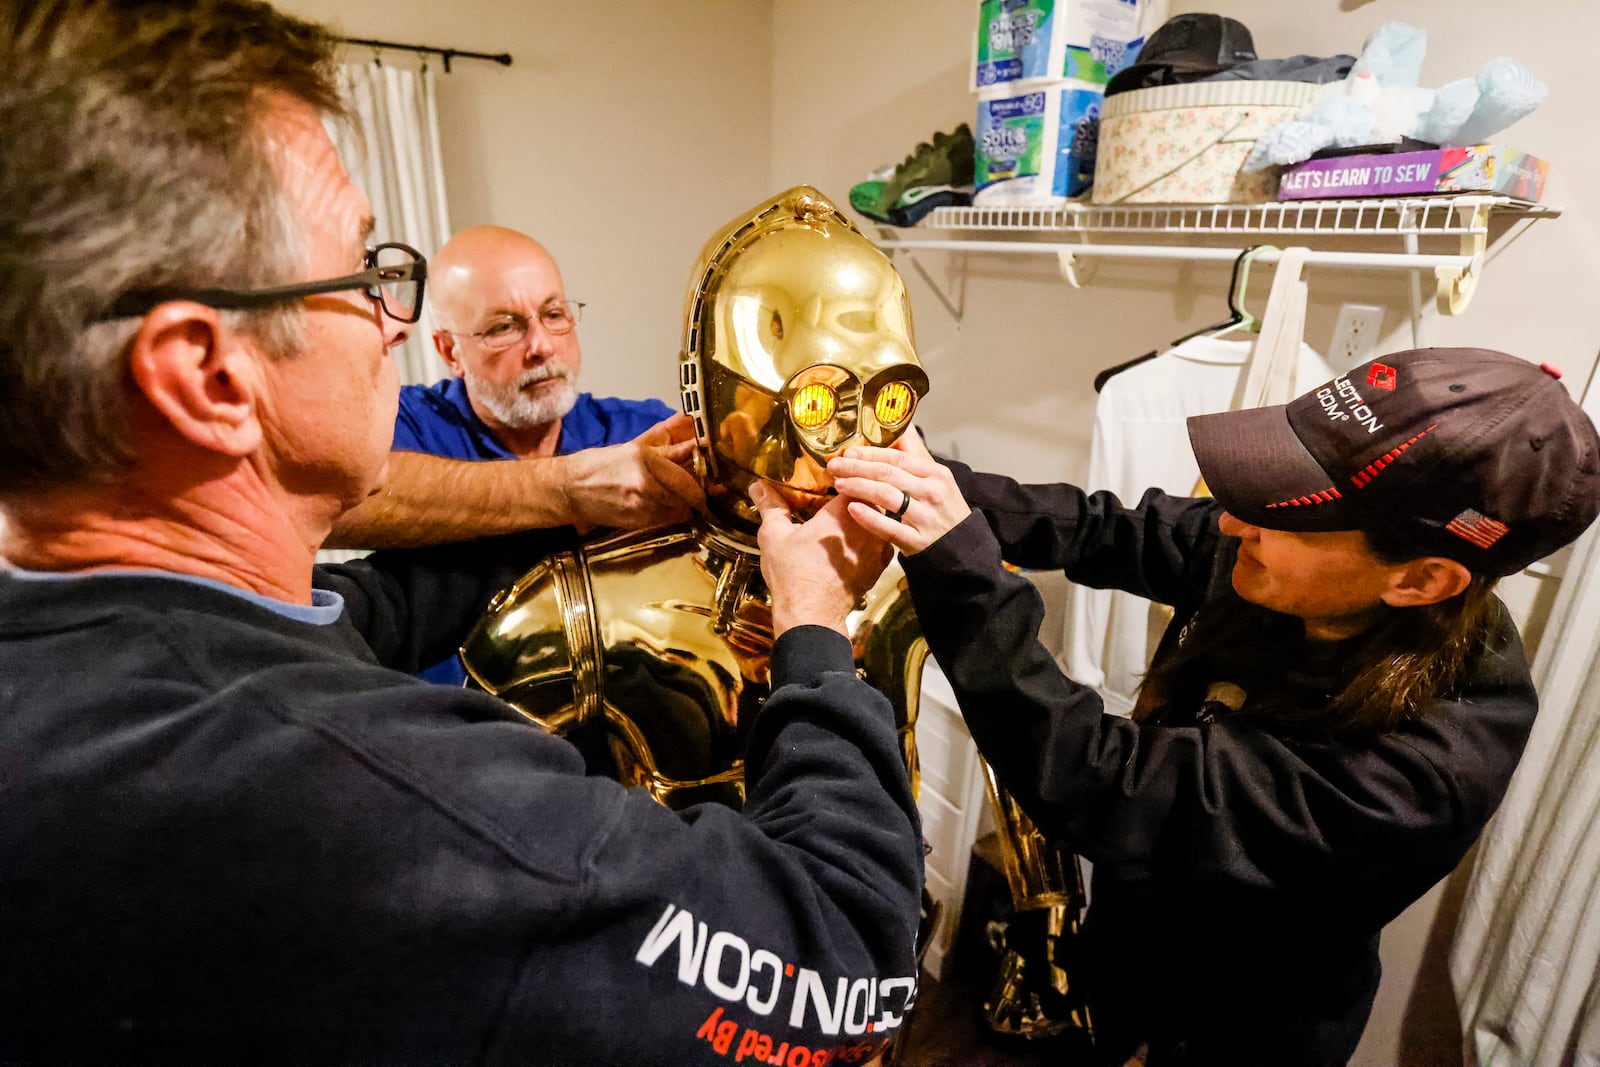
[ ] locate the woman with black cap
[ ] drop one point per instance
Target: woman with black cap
(1328, 723)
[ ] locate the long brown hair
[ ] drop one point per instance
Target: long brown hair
(1410, 658)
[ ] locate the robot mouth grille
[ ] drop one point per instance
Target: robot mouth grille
(689, 391)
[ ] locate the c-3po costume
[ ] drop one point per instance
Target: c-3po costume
(798, 344)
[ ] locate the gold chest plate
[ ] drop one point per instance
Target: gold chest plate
(666, 636)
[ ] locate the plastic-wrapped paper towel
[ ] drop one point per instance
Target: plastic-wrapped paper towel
(1032, 41)
(1035, 146)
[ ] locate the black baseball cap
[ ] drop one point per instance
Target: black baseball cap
(1186, 48)
(1466, 453)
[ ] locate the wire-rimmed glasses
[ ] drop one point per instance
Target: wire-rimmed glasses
(504, 330)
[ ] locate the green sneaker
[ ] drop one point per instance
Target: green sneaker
(864, 198)
(947, 160)
(921, 199)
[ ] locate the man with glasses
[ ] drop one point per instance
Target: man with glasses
(237, 830)
(508, 333)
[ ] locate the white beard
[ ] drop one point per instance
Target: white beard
(517, 409)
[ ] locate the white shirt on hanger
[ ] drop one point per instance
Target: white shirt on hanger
(1141, 441)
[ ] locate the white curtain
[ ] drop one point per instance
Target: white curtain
(1526, 957)
(401, 168)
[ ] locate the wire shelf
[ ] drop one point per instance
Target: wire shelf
(1399, 216)
(1412, 220)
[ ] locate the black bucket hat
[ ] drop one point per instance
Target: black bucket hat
(1465, 453)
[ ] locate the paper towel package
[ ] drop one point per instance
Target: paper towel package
(1039, 41)
(1038, 147)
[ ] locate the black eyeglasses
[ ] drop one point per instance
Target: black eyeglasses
(394, 277)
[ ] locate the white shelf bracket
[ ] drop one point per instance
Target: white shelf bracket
(1457, 284)
(1408, 225)
(1075, 271)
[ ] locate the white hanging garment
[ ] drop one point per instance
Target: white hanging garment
(1141, 440)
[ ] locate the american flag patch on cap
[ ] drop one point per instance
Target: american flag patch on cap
(1478, 529)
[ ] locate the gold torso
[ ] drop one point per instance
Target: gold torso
(666, 636)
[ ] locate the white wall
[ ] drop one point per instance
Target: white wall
(622, 136)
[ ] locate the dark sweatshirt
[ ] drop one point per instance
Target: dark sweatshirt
(1242, 871)
(233, 836)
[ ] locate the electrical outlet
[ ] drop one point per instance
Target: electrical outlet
(1355, 336)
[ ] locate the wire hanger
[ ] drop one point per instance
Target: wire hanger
(1239, 316)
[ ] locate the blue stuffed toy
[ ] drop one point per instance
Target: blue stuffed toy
(1381, 103)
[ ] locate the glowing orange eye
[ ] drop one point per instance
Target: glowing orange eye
(894, 404)
(813, 406)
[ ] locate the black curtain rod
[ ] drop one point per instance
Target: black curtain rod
(504, 58)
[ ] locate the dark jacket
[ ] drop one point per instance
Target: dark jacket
(231, 836)
(1242, 872)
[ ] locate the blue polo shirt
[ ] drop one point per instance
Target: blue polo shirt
(438, 419)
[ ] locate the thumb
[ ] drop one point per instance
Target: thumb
(771, 506)
(678, 451)
(674, 479)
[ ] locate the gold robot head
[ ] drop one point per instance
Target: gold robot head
(797, 345)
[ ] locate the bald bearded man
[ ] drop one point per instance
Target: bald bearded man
(507, 332)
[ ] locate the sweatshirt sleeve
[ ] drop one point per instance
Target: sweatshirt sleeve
(1153, 550)
(414, 606)
(1226, 800)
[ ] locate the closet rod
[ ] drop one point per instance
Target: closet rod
(502, 58)
(1369, 260)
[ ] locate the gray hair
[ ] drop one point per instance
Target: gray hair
(131, 157)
